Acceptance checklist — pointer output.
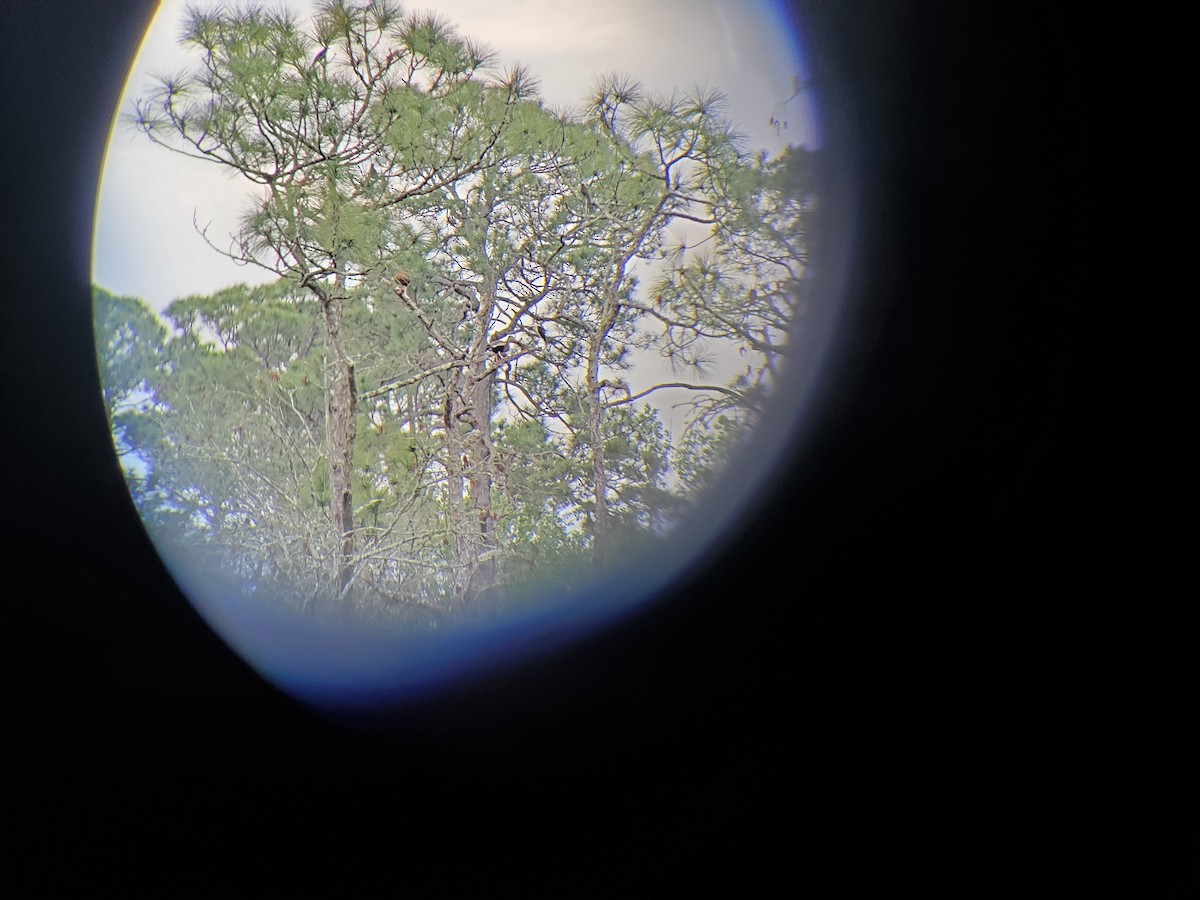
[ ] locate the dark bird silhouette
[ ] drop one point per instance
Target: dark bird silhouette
(320, 55)
(541, 331)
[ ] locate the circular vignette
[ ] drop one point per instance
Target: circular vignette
(335, 667)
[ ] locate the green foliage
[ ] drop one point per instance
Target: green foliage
(485, 272)
(700, 459)
(129, 343)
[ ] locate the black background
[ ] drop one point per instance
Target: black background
(888, 680)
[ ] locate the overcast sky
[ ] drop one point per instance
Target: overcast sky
(145, 242)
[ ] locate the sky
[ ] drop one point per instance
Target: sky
(146, 244)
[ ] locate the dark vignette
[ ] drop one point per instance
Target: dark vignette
(880, 681)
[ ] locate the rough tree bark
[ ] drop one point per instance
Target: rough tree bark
(341, 409)
(479, 454)
(467, 411)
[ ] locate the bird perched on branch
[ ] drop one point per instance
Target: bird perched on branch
(401, 279)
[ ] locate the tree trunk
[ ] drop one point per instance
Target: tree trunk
(456, 465)
(599, 477)
(595, 413)
(480, 457)
(341, 401)
(469, 465)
